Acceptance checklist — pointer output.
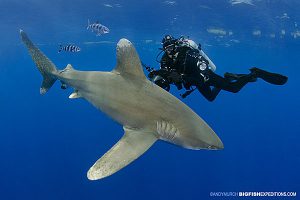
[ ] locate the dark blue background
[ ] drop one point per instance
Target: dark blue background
(47, 143)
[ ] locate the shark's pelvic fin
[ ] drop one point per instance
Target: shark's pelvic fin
(132, 145)
(128, 61)
(75, 95)
(44, 64)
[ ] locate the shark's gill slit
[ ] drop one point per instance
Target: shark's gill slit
(166, 130)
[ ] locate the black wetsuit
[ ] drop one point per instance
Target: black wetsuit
(184, 63)
(215, 83)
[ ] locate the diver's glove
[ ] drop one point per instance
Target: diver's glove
(187, 93)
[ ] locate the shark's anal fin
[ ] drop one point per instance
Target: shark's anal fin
(128, 61)
(132, 145)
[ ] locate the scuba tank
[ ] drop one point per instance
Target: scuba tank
(211, 65)
(193, 44)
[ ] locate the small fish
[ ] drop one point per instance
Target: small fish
(98, 28)
(69, 48)
(235, 2)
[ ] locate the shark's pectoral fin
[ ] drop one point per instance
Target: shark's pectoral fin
(132, 145)
(128, 61)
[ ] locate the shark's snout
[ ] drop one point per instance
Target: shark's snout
(217, 144)
(216, 147)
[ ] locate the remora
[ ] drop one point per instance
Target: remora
(147, 112)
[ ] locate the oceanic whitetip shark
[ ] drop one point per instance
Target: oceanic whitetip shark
(147, 112)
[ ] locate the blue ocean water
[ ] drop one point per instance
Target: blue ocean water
(47, 143)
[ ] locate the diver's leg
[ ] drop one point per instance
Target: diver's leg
(205, 89)
(269, 77)
(223, 83)
(233, 77)
(207, 92)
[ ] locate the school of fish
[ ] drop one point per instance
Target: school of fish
(96, 27)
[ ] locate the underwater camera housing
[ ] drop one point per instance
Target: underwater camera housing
(160, 81)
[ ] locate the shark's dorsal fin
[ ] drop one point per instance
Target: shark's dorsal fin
(132, 145)
(128, 61)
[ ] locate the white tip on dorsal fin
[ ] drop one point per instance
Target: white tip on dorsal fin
(75, 95)
(132, 145)
(128, 61)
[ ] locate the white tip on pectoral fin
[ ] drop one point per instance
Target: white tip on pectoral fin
(132, 145)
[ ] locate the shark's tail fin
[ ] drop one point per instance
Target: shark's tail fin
(44, 64)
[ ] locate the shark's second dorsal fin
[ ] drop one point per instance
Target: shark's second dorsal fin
(69, 67)
(128, 61)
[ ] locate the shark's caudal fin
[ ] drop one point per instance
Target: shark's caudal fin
(44, 64)
(128, 61)
(132, 145)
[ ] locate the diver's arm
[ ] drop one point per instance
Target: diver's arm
(164, 61)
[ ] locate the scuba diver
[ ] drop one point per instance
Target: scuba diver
(184, 64)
